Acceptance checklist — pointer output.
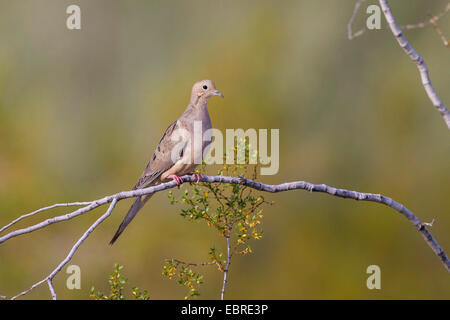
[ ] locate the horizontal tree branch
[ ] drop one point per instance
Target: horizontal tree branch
(303, 185)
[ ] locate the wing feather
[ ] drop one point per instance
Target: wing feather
(161, 161)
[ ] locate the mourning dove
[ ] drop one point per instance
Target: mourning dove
(163, 166)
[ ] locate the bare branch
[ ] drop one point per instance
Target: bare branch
(424, 24)
(113, 199)
(433, 19)
(438, 31)
(189, 264)
(50, 277)
(350, 33)
(418, 60)
(50, 221)
(227, 267)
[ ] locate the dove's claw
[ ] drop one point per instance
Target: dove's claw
(176, 178)
(197, 177)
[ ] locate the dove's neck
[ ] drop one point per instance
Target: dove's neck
(198, 108)
(198, 101)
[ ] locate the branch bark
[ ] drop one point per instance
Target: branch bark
(303, 185)
(350, 33)
(227, 267)
(418, 60)
(50, 277)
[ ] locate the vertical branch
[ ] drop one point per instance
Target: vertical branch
(283, 187)
(418, 60)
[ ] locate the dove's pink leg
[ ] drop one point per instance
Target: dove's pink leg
(176, 178)
(197, 176)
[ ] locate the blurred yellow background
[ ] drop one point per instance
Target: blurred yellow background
(81, 112)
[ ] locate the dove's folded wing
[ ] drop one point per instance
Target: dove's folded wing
(161, 161)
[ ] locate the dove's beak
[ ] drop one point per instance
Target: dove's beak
(217, 93)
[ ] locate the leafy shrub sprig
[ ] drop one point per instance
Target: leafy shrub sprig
(235, 211)
(117, 283)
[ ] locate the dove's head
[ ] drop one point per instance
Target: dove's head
(204, 90)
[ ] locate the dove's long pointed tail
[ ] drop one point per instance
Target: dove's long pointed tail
(135, 207)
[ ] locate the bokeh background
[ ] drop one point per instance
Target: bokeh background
(82, 111)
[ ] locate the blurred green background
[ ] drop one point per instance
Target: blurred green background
(82, 111)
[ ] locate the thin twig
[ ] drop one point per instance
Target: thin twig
(350, 33)
(418, 60)
(424, 24)
(438, 31)
(44, 209)
(50, 221)
(254, 185)
(52, 289)
(227, 267)
(432, 21)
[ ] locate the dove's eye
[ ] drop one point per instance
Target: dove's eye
(205, 87)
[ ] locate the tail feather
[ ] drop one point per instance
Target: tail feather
(135, 207)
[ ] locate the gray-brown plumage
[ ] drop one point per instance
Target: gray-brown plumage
(175, 157)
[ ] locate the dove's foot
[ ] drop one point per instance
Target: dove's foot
(197, 177)
(176, 178)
